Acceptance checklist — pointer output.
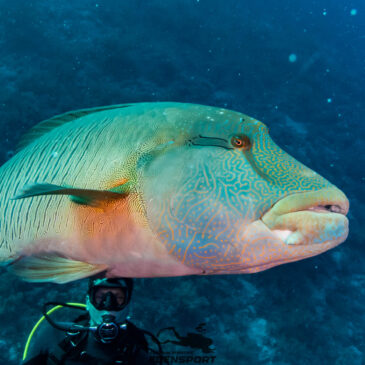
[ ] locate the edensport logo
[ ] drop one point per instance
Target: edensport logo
(178, 358)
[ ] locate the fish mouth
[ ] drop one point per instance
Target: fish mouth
(309, 218)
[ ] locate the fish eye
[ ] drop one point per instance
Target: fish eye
(241, 141)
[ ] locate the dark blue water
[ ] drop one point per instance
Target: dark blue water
(299, 66)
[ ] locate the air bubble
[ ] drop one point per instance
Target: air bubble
(292, 57)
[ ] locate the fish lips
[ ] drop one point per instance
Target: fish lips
(314, 217)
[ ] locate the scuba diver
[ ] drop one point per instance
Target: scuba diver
(102, 335)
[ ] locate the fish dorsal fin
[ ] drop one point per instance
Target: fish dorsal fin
(47, 125)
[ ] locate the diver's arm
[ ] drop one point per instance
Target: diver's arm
(141, 353)
(40, 359)
(40, 346)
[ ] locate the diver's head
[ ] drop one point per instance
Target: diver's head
(108, 297)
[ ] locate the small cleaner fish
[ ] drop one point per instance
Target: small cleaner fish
(160, 189)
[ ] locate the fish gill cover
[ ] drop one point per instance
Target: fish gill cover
(298, 66)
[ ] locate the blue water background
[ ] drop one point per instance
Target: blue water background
(57, 56)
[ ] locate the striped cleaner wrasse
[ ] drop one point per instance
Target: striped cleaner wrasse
(160, 189)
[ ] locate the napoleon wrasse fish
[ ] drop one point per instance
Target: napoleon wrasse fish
(160, 189)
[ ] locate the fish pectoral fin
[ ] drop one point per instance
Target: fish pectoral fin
(53, 268)
(79, 196)
(122, 186)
